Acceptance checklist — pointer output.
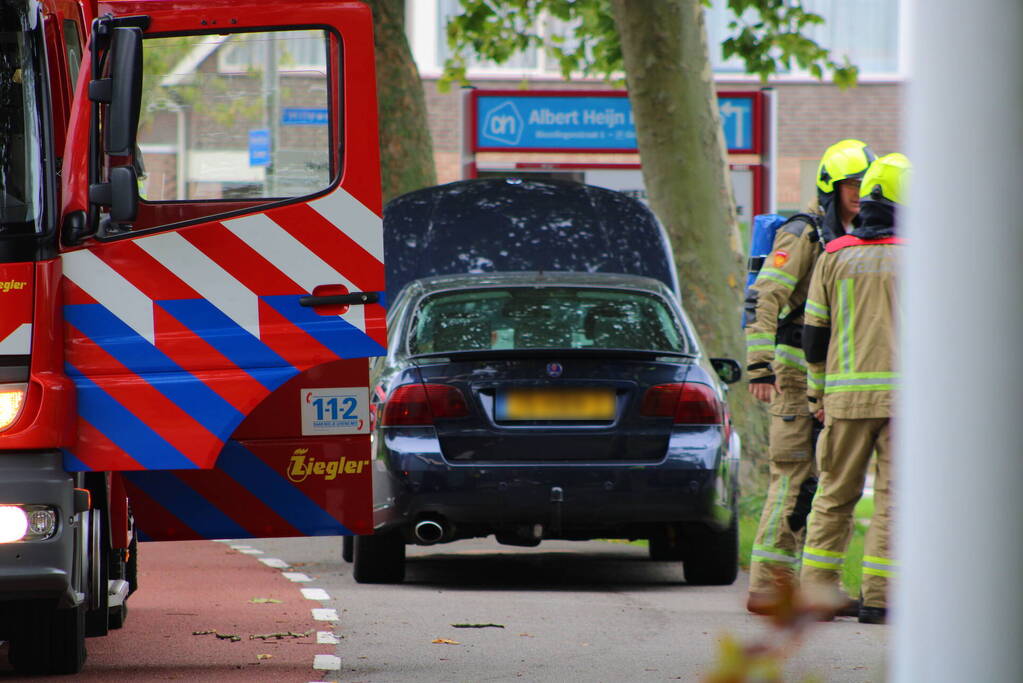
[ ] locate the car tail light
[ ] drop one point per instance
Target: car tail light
(687, 403)
(421, 404)
(12, 397)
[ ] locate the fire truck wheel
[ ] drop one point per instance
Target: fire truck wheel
(347, 548)
(379, 558)
(117, 616)
(50, 641)
(97, 563)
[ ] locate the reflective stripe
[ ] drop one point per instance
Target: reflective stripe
(791, 356)
(867, 387)
(859, 382)
(759, 341)
(878, 566)
(846, 323)
(771, 534)
(814, 380)
(781, 275)
(862, 375)
(816, 309)
(823, 559)
(775, 275)
(761, 554)
(862, 381)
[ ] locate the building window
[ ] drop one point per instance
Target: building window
(867, 31)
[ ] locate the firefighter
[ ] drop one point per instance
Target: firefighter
(777, 370)
(849, 341)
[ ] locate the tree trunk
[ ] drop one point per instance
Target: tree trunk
(682, 149)
(406, 149)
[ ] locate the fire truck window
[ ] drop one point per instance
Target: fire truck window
(233, 120)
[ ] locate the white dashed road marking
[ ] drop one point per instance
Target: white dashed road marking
(315, 594)
(326, 638)
(325, 614)
(327, 662)
(274, 562)
(321, 662)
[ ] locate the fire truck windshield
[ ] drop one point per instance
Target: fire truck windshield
(21, 135)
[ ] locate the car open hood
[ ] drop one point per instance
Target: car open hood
(513, 225)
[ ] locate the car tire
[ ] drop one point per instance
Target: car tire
(712, 557)
(666, 544)
(49, 641)
(347, 548)
(379, 558)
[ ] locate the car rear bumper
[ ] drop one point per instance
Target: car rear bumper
(694, 482)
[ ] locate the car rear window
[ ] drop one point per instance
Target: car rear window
(544, 318)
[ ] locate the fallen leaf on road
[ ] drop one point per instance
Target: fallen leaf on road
(477, 625)
(264, 656)
(526, 635)
(265, 601)
(280, 635)
(445, 641)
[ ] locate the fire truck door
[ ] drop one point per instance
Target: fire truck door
(213, 361)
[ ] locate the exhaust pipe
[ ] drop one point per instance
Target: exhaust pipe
(428, 531)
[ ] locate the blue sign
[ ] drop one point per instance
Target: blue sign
(581, 123)
(259, 147)
(737, 119)
(304, 116)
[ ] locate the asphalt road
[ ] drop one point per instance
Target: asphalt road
(594, 611)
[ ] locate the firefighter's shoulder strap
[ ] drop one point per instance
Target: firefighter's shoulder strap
(852, 241)
(791, 224)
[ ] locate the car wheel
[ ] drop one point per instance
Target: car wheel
(49, 640)
(347, 548)
(666, 544)
(379, 558)
(712, 557)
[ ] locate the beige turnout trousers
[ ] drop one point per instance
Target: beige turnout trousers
(843, 455)
(777, 547)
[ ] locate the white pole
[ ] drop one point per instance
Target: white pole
(958, 609)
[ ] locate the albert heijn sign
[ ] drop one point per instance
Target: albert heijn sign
(590, 121)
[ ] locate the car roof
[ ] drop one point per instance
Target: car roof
(437, 283)
(513, 224)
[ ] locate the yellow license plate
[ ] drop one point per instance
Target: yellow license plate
(556, 404)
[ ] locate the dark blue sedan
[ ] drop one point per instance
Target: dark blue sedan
(550, 405)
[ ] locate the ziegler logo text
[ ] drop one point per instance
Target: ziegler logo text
(302, 466)
(8, 285)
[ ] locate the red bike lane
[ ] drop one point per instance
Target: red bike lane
(202, 586)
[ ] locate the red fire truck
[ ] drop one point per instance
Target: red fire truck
(190, 262)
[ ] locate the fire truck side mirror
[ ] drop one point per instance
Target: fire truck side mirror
(121, 194)
(122, 122)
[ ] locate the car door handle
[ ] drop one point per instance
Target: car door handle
(350, 299)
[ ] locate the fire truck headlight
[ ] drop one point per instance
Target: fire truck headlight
(13, 523)
(27, 523)
(12, 397)
(42, 522)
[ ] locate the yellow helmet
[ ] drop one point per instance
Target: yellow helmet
(886, 180)
(845, 160)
